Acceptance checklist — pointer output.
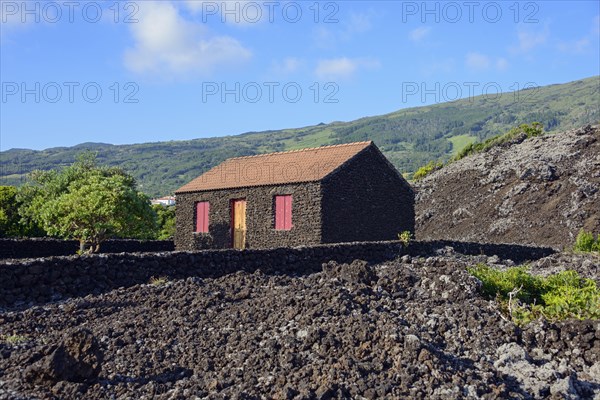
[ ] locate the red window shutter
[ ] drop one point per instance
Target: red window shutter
(283, 212)
(205, 221)
(202, 217)
(288, 213)
(279, 212)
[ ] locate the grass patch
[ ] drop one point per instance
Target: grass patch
(13, 339)
(317, 138)
(158, 281)
(585, 242)
(459, 142)
(524, 297)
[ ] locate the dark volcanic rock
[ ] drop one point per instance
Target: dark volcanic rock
(77, 359)
(539, 191)
(410, 328)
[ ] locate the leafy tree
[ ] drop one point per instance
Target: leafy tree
(10, 224)
(87, 202)
(165, 221)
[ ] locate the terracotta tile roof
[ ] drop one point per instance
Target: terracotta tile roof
(295, 166)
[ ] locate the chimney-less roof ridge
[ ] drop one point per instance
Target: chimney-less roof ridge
(285, 167)
(304, 149)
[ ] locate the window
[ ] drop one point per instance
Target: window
(283, 213)
(201, 217)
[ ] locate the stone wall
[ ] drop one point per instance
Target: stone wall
(42, 280)
(47, 247)
(367, 200)
(260, 217)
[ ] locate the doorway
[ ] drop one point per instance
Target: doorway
(238, 223)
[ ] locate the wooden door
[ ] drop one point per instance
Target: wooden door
(238, 222)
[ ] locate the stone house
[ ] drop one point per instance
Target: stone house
(331, 194)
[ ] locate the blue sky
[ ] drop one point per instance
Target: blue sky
(132, 72)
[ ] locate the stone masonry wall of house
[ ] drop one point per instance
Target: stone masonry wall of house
(366, 201)
(42, 280)
(260, 217)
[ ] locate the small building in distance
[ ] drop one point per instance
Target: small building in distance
(164, 201)
(331, 194)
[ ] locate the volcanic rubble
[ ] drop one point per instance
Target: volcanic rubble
(408, 328)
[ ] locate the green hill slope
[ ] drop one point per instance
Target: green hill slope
(409, 138)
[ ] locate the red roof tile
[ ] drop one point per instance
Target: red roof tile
(295, 166)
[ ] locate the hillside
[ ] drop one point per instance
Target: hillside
(541, 191)
(409, 138)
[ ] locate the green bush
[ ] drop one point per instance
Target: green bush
(524, 297)
(535, 129)
(427, 169)
(405, 238)
(585, 242)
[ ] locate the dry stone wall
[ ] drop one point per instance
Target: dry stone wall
(47, 247)
(37, 281)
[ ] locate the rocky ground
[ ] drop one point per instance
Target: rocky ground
(410, 328)
(539, 191)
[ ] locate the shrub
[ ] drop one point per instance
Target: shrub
(524, 297)
(535, 129)
(405, 238)
(425, 170)
(585, 242)
(158, 281)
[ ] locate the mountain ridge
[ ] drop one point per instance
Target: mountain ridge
(409, 137)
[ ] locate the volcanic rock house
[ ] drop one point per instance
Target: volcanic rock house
(341, 193)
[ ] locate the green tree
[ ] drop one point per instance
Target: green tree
(9, 216)
(87, 202)
(165, 221)
(10, 220)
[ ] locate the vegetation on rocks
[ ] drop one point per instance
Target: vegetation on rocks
(405, 238)
(522, 131)
(585, 242)
(518, 133)
(425, 170)
(525, 297)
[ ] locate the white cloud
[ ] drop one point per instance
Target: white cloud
(358, 23)
(481, 62)
(575, 46)
(477, 61)
(529, 40)
(343, 68)
(582, 44)
(235, 12)
(418, 34)
(346, 30)
(436, 67)
(288, 65)
(167, 43)
(501, 64)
